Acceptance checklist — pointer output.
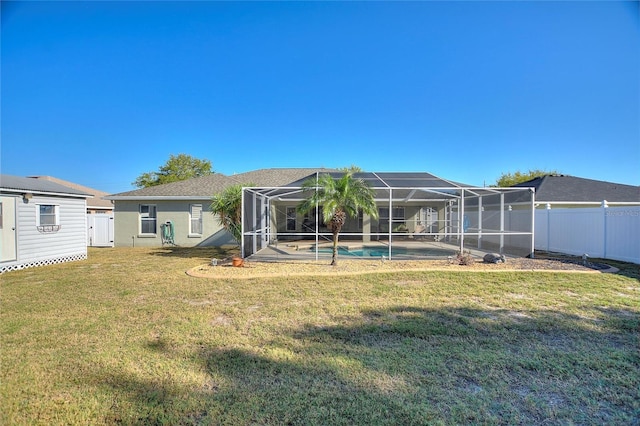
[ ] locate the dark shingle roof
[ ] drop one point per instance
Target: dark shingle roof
(203, 186)
(207, 186)
(277, 177)
(393, 179)
(558, 188)
(39, 186)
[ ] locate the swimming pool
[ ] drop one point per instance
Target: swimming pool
(384, 251)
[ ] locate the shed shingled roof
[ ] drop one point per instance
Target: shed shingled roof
(562, 188)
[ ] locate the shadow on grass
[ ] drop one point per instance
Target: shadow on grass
(205, 253)
(408, 365)
(629, 270)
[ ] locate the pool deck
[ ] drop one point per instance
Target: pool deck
(305, 250)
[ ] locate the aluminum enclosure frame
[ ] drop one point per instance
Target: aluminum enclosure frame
(486, 218)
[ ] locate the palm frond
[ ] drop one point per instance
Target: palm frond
(339, 198)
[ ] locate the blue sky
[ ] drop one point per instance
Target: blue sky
(99, 92)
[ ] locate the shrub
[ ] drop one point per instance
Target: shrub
(465, 258)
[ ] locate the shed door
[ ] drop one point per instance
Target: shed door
(7, 229)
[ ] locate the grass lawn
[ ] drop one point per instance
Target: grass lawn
(127, 337)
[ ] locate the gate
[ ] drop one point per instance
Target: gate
(99, 230)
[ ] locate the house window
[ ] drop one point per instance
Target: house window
(47, 215)
(196, 219)
(291, 218)
(148, 219)
(397, 217)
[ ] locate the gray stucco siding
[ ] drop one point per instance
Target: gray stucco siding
(127, 223)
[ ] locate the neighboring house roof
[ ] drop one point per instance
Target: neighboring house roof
(561, 188)
(17, 184)
(96, 202)
(205, 187)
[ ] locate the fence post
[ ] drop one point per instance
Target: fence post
(605, 205)
(501, 223)
(480, 210)
(548, 208)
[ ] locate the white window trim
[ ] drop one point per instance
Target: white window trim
(56, 214)
(191, 233)
(147, 234)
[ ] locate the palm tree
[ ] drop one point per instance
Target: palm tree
(339, 198)
(227, 205)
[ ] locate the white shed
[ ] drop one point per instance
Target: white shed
(41, 223)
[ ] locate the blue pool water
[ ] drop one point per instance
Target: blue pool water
(382, 251)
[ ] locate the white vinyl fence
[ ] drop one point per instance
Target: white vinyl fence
(602, 232)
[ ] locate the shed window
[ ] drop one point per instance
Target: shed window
(148, 219)
(47, 215)
(196, 219)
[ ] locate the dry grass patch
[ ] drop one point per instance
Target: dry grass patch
(127, 337)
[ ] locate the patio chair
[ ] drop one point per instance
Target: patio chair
(419, 231)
